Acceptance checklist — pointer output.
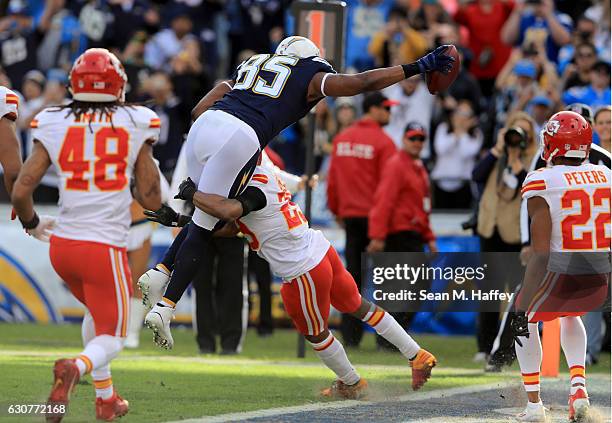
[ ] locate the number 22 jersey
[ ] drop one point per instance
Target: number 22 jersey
(95, 162)
(279, 232)
(578, 198)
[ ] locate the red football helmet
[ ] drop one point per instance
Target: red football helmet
(97, 75)
(566, 134)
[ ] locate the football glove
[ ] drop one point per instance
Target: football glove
(187, 190)
(437, 60)
(519, 326)
(40, 227)
(167, 217)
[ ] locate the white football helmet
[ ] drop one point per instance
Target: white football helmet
(298, 46)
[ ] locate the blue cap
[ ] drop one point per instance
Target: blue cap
(57, 75)
(541, 100)
(525, 68)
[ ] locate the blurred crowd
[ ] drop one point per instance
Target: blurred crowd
(471, 146)
(533, 56)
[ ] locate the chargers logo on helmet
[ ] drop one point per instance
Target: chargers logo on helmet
(298, 46)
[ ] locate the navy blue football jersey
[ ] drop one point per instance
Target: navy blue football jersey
(270, 92)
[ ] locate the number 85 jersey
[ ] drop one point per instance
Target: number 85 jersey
(95, 162)
(279, 232)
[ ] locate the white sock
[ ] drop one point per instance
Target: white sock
(332, 354)
(137, 314)
(530, 358)
(574, 343)
(98, 352)
(103, 382)
(387, 327)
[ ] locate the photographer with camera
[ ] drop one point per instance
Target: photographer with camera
(501, 173)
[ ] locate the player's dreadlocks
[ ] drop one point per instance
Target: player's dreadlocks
(102, 109)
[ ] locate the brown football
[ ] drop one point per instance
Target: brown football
(437, 81)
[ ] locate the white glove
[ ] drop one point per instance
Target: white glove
(44, 229)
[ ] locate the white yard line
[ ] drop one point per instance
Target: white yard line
(419, 396)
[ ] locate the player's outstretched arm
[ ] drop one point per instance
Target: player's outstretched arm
(148, 191)
(342, 85)
(10, 154)
(29, 177)
(209, 99)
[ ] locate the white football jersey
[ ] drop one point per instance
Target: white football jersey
(279, 232)
(9, 103)
(95, 162)
(578, 198)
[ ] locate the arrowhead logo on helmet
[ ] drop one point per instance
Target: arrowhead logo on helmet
(566, 134)
(298, 46)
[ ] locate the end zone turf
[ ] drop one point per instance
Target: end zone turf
(166, 386)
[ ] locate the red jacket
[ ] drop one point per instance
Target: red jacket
(402, 200)
(357, 163)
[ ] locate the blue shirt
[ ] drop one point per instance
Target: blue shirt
(534, 28)
(362, 23)
(588, 96)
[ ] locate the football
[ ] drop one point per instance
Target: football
(437, 81)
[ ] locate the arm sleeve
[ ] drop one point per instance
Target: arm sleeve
(9, 104)
(385, 199)
(252, 199)
(533, 186)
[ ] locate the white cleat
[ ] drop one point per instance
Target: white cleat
(158, 320)
(152, 284)
(534, 412)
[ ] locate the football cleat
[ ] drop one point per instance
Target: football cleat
(65, 377)
(422, 365)
(534, 412)
(339, 389)
(111, 408)
(578, 406)
(158, 320)
(152, 284)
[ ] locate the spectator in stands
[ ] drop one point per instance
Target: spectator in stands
(399, 218)
(576, 72)
(456, 143)
(597, 93)
(175, 120)
(600, 14)
(584, 33)
(32, 89)
(483, 20)
(500, 174)
(517, 88)
(414, 103)
(541, 108)
(175, 50)
(397, 43)
(603, 116)
(427, 17)
(358, 161)
(364, 19)
(345, 114)
(538, 22)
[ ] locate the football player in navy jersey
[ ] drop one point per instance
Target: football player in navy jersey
(235, 121)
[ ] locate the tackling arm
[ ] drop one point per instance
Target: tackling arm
(146, 173)
(29, 177)
(209, 99)
(10, 154)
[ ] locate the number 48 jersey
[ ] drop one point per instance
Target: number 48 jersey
(95, 162)
(279, 232)
(578, 198)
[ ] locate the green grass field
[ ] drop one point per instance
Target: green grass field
(173, 385)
